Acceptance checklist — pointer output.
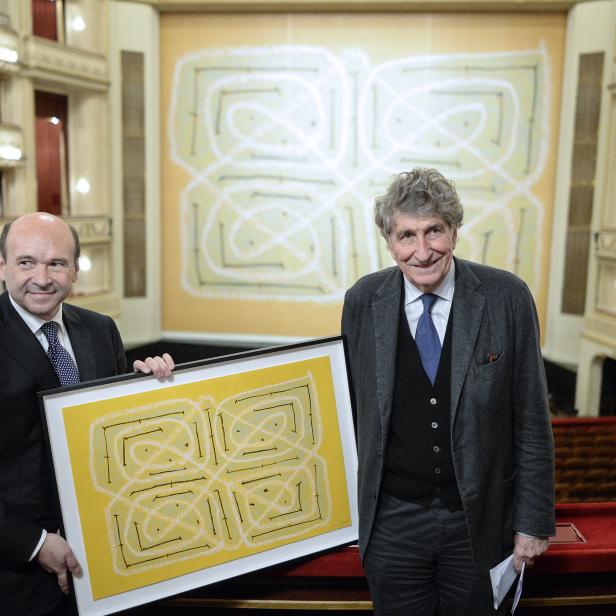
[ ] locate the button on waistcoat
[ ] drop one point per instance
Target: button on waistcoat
(418, 463)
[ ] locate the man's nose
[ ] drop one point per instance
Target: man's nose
(41, 274)
(422, 248)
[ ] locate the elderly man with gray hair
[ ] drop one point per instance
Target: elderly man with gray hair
(453, 432)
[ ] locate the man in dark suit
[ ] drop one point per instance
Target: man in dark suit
(39, 264)
(454, 439)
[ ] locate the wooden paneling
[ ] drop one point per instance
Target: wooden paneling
(133, 173)
(581, 192)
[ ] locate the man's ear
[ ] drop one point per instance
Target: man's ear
(454, 237)
(2, 266)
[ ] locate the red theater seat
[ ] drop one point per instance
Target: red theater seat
(585, 458)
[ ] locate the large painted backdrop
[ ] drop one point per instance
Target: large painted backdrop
(279, 131)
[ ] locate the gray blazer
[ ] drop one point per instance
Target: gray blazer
(501, 437)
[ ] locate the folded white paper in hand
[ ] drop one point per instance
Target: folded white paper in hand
(502, 577)
(518, 590)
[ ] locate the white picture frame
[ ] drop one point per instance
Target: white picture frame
(111, 411)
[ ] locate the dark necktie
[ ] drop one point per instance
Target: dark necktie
(426, 338)
(60, 358)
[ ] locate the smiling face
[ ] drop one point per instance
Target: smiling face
(39, 269)
(422, 248)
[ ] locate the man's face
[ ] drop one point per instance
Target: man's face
(422, 248)
(39, 270)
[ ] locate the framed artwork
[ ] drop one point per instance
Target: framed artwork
(230, 465)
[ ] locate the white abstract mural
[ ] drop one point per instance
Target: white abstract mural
(286, 147)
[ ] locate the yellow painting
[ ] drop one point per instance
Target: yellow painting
(281, 129)
(180, 479)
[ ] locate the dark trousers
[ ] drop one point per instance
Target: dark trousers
(63, 608)
(419, 563)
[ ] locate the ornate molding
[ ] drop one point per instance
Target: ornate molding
(91, 229)
(49, 61)
(328, 6)
(606, 245)
(601, 328)
(105, 302)
(10, 137)
(9, 41)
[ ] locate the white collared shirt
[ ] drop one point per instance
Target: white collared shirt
(413, 306)
(35, 323)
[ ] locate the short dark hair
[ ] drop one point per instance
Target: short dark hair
(5, 233)
(77, 251)
(420, 192)
(3, 236)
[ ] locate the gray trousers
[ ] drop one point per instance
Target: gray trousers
(419, 563)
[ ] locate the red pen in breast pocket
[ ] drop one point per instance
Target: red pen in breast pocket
(492, 357)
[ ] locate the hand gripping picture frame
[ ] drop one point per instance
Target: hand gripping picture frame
(231, 465)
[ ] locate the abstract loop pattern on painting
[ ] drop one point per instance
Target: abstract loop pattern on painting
(201, 476)
(286, 148)
(207, 472)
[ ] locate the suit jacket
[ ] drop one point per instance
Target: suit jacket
(501, 438)
(28, 497)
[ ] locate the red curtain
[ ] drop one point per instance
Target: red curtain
(44, 22)
(51, 151)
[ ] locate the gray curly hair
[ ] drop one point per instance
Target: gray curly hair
(420, 192)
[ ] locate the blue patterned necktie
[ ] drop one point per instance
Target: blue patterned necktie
(426, 338)
(60, 358)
